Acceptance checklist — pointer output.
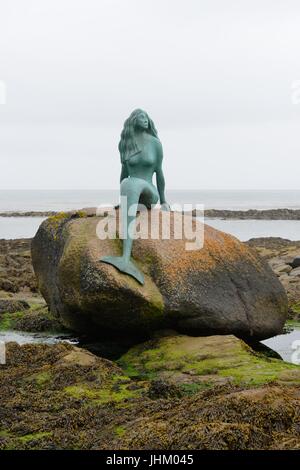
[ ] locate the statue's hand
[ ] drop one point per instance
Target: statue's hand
(165, 207)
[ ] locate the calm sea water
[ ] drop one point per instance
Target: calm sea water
(26, 227)
(287, 345)
(212, 199)
(19, 227)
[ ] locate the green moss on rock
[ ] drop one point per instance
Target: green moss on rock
(63, 397)
(294, 311)
(9, 321)
(41, 379)
(36, 319)
(296, 307)
(115, 391)
(205, 360)
(33, 437)
(120, 431)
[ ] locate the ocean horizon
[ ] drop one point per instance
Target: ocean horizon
(63, 200)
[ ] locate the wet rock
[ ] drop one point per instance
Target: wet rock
(282, 268)
(254, 214)
(295, 272)
(296, 262)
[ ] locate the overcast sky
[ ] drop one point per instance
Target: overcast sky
(215, 76)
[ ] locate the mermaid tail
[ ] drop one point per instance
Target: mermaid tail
(124, 266)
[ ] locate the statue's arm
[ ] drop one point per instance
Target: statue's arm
(160, 179)
(124, 172)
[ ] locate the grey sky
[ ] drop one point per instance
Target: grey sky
(214, 76)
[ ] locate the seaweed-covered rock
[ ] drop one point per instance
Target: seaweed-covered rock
(52, 397)
(223, 288)
(16, 272)
(194, 363)
(11, 305)
(63, 397)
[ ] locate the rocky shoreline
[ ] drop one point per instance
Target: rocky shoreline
(250, 214)
(281, 254)
(28, 214)
(254, 214)
(16, 272)
(174, 392)
(170, 392)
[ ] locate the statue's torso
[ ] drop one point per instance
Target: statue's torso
(143, 164)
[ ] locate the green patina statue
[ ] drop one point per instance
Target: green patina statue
(141, 156)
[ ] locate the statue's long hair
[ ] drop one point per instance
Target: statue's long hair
(128, 145)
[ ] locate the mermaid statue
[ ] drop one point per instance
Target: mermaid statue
(141, 156)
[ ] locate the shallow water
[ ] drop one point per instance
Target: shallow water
(26, 227)
(281, 344)
(22, 337)
(19, 227)
(246, 229)
(286, 344)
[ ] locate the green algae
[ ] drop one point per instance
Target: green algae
(296, 307)
(33, 437)
(41, 379)
(102, 396)
(294, 311)
(31, 441)
(292, 323)
(231, 417)
(8, 321)
(5, 322)
(259, 372)
(116, 389)
(120, 431)
(35, 319)
(211, 357)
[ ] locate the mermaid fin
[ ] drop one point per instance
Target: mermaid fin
(126, 267)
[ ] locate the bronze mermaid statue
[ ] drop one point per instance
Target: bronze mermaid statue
(141, 156)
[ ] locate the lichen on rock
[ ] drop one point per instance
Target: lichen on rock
(225, 287)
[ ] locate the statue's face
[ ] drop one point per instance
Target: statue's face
(142, 121)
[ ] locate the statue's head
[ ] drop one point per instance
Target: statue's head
(137, 121)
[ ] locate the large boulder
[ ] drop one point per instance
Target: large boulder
(223, 288)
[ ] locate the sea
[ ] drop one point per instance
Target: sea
(63, 200)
